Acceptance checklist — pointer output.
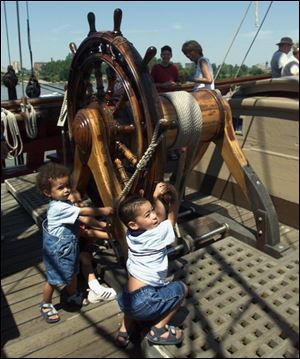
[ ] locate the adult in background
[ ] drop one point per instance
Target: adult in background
(280, 58)
(204, 77)
(292, 66)
(165, 74)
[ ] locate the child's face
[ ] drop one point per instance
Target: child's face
(60, 189)
(145, 219)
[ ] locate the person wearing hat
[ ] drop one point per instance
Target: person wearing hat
(280, 58)
(292, 66)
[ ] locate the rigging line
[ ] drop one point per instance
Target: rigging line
(5, 17)
(257, 32)
(238, 30)
(28, 37)
(20, 49)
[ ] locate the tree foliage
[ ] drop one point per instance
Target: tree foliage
(56, 71)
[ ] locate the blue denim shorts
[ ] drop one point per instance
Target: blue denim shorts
(149, 303)
(61, 258)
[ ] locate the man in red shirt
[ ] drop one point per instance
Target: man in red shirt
(165, 74)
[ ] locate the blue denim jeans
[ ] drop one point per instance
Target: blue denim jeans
(60, 256)
(149, 303)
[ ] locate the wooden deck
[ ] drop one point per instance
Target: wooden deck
(269, 304)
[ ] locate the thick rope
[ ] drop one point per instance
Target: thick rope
(9, 122)
(29, 115)
(189, 118)
(190, 121)
(143, 161)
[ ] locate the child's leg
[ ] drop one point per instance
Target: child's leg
(100, 292)
(47, 299)
(71, 288)
(48, 292)
(165, 320)
(168, 316)
(86, 266)
(122, 336)
(127, 323)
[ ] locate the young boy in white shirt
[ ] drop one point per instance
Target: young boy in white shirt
(148, 297)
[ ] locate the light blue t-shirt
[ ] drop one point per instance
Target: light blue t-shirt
(147, 254)
(61, 213)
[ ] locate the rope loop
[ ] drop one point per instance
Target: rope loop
(9, 123)
(29, 115)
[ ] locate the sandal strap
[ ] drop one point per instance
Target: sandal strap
(171, 329)
(50, 306)
(158, 331)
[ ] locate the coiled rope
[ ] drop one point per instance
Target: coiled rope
(189, 118)
(29, 114)
(9, 122)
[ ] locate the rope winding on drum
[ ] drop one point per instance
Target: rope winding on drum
(189, 118)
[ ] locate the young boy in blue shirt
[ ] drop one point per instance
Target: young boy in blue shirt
(148, 297)
(60, 237)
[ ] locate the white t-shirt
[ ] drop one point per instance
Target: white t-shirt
(291, 68)
(199, 73)
(147, 254)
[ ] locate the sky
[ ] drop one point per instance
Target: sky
(54, 24)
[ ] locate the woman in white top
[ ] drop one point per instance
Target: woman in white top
(204, 77)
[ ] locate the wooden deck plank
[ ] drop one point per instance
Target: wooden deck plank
(39, 341)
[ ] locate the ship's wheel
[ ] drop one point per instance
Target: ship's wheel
(113, 107)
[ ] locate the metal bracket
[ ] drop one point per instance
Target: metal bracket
(265, 215)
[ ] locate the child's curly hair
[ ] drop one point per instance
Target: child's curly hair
(49, 172)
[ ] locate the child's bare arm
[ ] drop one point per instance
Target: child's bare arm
(93, 222)
(165, 193)
(97, 211)
(171, 198)
(159, 207)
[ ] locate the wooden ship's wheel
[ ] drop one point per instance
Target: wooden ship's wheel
(112, 126)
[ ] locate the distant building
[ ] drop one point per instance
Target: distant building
(16, 65)
(264, 67)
